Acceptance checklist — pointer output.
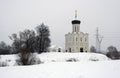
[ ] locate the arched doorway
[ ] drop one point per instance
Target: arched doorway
(69, 49)
(59, 49)
(81, 49)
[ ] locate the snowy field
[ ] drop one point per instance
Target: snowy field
(84, 65)
(58, 57)
(75, 57)
(99, 69)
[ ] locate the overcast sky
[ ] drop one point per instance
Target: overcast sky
(17, 15)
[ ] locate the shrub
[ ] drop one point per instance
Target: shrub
(72, 60)
(93, 59)
(2, 63)
(25, 57)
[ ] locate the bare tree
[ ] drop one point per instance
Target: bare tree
(24, 45)
(4, 48)
(16, 45)
(42, 39)
(25, 39)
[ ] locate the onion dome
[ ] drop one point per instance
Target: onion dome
(76, 22)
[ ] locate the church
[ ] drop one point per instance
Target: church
(76, 41)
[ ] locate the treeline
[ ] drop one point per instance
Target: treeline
(31, 40)
(4, 48)
(111, 52)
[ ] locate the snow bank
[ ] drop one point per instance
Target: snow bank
(9, 59)
(78, 57)
(58, 57)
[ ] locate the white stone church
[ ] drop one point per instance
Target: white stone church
(76, 41)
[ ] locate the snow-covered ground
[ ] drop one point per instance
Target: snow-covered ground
(58, 57)
(83, 65)
(90, 69)
(78, 57)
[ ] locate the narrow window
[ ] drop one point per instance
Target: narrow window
(75, 28)
(81, 39)
(85, 39)
(76, 39)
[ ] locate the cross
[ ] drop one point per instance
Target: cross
(75, 13)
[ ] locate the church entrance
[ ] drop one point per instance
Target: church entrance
(69, 49)
(59, 49)
(81, 49)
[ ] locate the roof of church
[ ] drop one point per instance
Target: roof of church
(76, 22)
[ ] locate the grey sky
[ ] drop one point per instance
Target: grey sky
(17, 15)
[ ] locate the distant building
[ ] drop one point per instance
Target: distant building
(76, 41)
(55, 48)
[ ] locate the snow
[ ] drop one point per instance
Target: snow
(56, 65)
(80, 57)
(90, 69)
(87, 65)
(9, 59)
(58, 57)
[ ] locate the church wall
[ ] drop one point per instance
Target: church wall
(76, 41)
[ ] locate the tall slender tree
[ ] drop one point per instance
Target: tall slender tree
(42, 38)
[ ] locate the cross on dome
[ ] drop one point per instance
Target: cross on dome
(75, 14)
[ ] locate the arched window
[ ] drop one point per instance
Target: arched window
(85, 39)
(76, 38)
(75, 28)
